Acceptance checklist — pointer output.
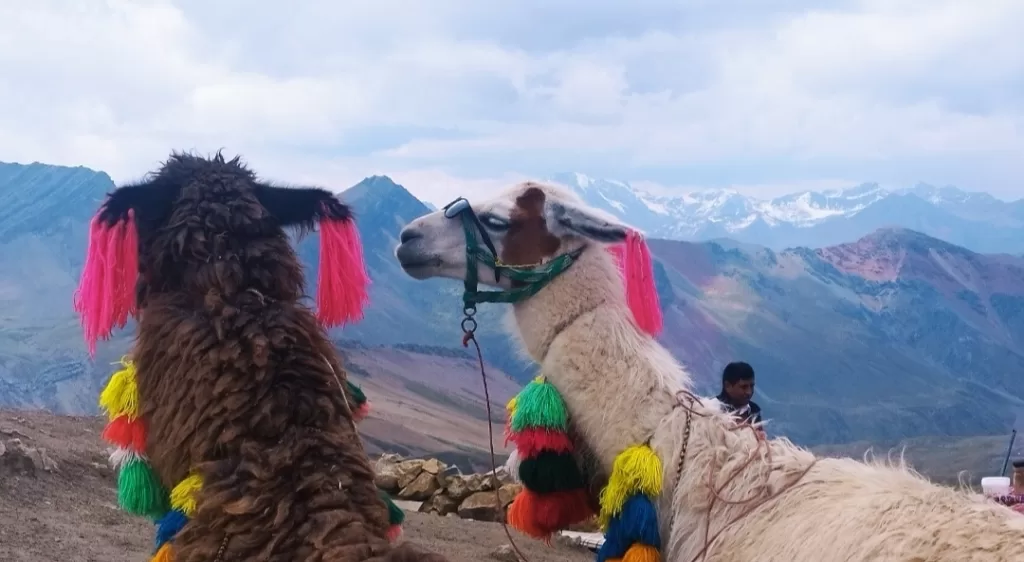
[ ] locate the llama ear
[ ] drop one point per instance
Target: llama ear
(629, 249)
(566, 219)
(342, 281)
(301, 208)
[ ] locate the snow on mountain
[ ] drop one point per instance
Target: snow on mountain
(813, 218)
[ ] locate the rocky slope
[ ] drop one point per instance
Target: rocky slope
(895, 335)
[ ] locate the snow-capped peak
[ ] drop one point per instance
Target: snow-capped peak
(723, 212)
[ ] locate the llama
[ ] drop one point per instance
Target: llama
(238, 389)
(729, 495)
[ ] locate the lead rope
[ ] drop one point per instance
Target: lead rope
(469, 326)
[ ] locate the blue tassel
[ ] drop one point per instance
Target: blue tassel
(169, 525)
(613, 547)
(638, 523)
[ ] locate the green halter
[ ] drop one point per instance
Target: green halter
(530, 279)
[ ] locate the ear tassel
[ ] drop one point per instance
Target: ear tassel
(105, 297)
(342, 283)
(634, 261)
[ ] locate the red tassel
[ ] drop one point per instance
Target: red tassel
(541, 515)
(634, 261)
(105, 297)
(530, 442)
(394, 533)
(343, 282)
(362, 411)
(127, 433)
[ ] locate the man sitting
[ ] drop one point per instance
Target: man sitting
(737, 391)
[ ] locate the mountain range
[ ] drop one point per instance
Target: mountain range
(897, 334)
(977, 221)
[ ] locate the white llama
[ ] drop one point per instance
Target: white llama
(738, 499)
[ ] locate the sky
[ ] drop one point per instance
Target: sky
(453, 97)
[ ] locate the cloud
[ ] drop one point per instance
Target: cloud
(454, 96)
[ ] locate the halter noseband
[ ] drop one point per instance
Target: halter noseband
(530, 278)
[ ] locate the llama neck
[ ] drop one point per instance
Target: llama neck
(617, 382)
(591, 282)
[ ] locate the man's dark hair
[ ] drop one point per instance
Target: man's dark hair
(737, 371)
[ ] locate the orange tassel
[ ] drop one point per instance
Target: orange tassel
(540, 515)
(642, 553)
(163, 555)
(521, 518)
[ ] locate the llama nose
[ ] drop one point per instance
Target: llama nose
(409, 234)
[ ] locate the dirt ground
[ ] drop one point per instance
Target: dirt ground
(71, 515)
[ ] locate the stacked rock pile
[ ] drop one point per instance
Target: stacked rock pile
(443, 490)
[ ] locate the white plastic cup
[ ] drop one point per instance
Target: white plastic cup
(995, 486)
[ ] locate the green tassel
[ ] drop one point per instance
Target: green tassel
(395, 514)
(356, 393)
(540, 405)
(139, 491)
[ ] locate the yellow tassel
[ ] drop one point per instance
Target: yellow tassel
(637, 470)
(163, 555)
(121, 395)
(511, 406)
(642, 553)
(183, 496)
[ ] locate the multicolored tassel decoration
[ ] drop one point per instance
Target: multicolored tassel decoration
(554, 495)
(362, 408)
(627, 513)
(395, 517)
(395, 514)
(183, 506)
(139, 491)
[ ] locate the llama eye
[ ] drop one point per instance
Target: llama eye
(493, 222)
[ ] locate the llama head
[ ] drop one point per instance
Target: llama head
(528, 224)
(207, 228)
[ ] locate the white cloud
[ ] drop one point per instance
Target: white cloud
(452, 96)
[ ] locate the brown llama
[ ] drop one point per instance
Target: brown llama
(238, 386)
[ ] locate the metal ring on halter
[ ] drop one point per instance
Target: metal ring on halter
(468, 325)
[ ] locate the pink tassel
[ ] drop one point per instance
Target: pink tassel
(362, 411)
(105, 297)
(634, 260)
(394, 532)
(618, 251)
(342, 285)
